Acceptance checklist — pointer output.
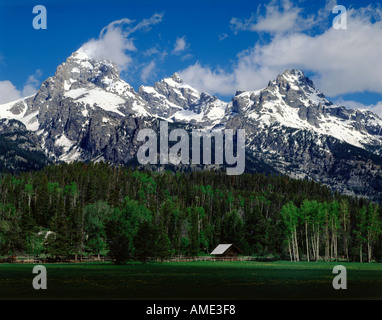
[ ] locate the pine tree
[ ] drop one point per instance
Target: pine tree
(145, 242)
(163, 247)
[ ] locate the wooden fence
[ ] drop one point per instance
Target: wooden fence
(180, 258)
(37, 260)
(204, 258)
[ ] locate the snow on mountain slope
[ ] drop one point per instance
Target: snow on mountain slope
(174, 100)
(86, 112)
(87, 95)
(18, 110)
(80, 108)
(207, 111)
(95, 96)
(176, 91)
(292, 101)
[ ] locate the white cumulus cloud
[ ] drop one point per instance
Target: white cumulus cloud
(32, 84)
(206, 79)
(341, 61)
(280, 16)
(9, 92)
(376, 108)
(344, 61)
(180, 45)
(114, 42)
(148, 71)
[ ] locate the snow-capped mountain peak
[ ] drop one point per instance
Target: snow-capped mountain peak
(87, 112)
(292, 101)
(175, 77)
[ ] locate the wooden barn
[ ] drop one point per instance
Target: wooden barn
(226, 252)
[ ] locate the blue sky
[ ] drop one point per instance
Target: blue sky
(216, 46)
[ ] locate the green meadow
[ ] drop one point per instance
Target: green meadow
(192, 280)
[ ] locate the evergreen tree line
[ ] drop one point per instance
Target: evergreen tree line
(97, 209)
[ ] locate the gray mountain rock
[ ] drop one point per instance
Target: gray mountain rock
(86, 112)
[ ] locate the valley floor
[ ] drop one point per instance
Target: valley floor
(243, 280)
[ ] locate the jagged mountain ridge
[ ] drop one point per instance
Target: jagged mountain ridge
(292, 125)
(86, 112)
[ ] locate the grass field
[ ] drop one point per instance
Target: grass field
(192, 280)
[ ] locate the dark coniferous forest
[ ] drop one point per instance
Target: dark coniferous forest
(93, 209)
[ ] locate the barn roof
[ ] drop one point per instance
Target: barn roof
(221, 248)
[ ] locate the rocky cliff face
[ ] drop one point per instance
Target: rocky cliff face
(85, 112)
(19, 148)
(293, 127)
